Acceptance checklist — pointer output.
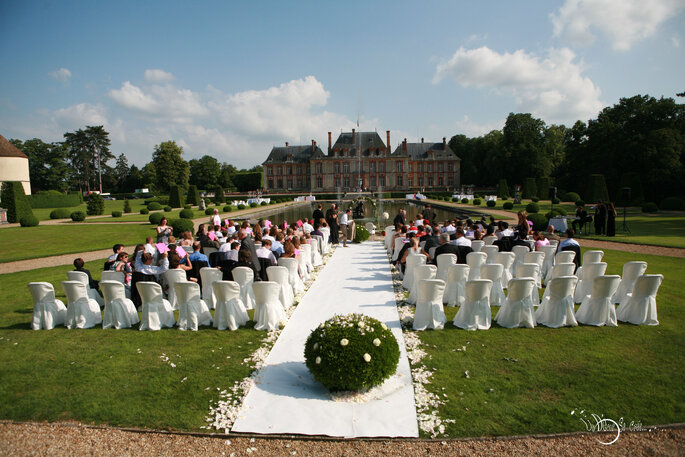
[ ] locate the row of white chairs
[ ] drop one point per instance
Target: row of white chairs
(556, 309)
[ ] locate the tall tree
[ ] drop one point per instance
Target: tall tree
(205, 172)
(98, 143)
(48, 169)
(524, 144)
(170, 168)
(79, 158)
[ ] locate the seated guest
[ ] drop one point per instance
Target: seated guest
(150, 246)
(432, 240)
(316, 230)
(550, 235)
(219, 234)
(307, 227)
(569, 241)
(78, 266)
(264, 252)
(581, 218)
(446, 247)
(412, 248)
(197, 255)
(187, 238)
(540, 240)
(121, 264)
(147, 268)
(117, 248)
(277, 245)
(461, 239)
(245, 260)
(140, 248)
(172, 243)
(503, 230)
(232, 253)
(288, 250)
(175, 264)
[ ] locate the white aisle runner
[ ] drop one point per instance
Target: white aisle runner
(286, 399)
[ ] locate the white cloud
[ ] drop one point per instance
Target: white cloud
(162, 102)
(62, 75)
(552, 88)
(158, 76)
(675, 41)
(471, 129)
(78, 116)
(623, 22)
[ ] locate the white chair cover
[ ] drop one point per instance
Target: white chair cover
(293, 275)
(319, 241)
(491, 251)
(431, 252)
(556, 309)
(157, 311)
(82, 311)
(282, 277)
(82, 277)
(244, 276)
(548, 263)
(48, 312)
(120, 312)
(589, 257)
(208, 276)
(420, 273)
(316, 260)
(596, 308)
(118, 276)
(172, 277)
(477, 245)
(490, 239)
(455, 289)
(399, 242)
(413, 261)
(269, 313)
(530, 270)
(554, 243)
(562, 257)
(561, 269)
(444, 261)
(493, 272)
(192, 309)
(631, 271)
(475, 313)
(429, 313)
(506, 259)
(517, 309)
(230, 311)
(586, 277)
(475, 260)
(519, 257)
(389, 234)
(641, 306)
(537, 257)
(326, 236)
(306, 261)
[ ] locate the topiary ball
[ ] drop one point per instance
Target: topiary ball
(263, 203)
(351, 352)
(556, 201)
(539, 221)
(228, 209)
(209, 211)
(464, 200)
(533, 208)
(116, 213)
(60, 213)
(580, 202)
(155, 218)
(508, 205)
(28, 221)
(167, 208)
(78, 216)
(361, 234)
(154, 206)
(241, 206)
(253, 205)
(476, 201)
(144, 210)
(649, 207)
(491, 203)
(455, 200)
(186, 214)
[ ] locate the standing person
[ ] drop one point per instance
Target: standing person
(600, 218)
(163, 231)
(611, 219)
(215, 219)
(523, 227)
(247, 244)
(332, 219)
(400, 218)
(345, 224)
(429, 214)
(317, 215)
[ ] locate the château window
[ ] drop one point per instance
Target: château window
(439, 167)
(373, 181)
(319, 182)
(346, 167)
(372, 166)
(381, 167)
(381, 181)
(336, 167)
(318, 169)
(399, 169)
(420, 168)
(430, 167)
(399, 180)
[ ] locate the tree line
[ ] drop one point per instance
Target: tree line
(82, 162)
(638, 143)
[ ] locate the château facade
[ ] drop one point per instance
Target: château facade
(362, 160)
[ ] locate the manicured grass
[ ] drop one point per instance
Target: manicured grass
(110, 205)
(540, 375)
(21, 243)
(111, 376)
(658, 229)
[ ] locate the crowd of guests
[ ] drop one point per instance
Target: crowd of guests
(604, 218)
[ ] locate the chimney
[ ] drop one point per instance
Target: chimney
(352, 136)
(404, 146)
(329, 142)
(286, 144)
(387, 132)
(444, 142)
(313, 145)
(422, 140)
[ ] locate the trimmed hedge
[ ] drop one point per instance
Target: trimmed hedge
(571, 197)
(672, 204)
(556, 201)
(650, 207)
(127, 206)
(476, 201)
(15, 201)
(78, 216)
(60, 213)
(154, 206)
(503, 189)
(532, 208)
(530, 188)
(209, 211)
(219, 195)
(555, 212)
(28, 221)
(361, 234)
(539, 221)
(227, 208)
(182, 225)
(543, 185)
(580, 203)
(175, 197)
(263, 203)
(491, 203)
(597, 189)
(155, 218)
(144, 210)
(95, 205)
(464, 200)
(508, 205)
(534, 199)
(193, 198)
(116, 213)
(53, 199)
(253, 205)
(186, 214)
(455, 200)
(241, 206)
(167, 209)
(351, 352)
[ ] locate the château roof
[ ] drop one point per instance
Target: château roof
(416, 151)
(363, 140)
(292, 154)
(7, 149)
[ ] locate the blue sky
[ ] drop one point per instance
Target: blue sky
(233, 79)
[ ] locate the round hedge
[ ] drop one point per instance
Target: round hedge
(649, 207)
(116, 213)
(28, 221)
(155, 218)
(556, 201)
(263, 203)
(154, 206)
(182, 225)
(464, 200)
(476, 201)
(533, 208)
(186, 214)
(539, 221)
(351, 352)
(167, 208)
(60, 213)
(241, 206)
(491, 203)
(455, 200)
(555, 212)
(253, 205)
(361, 234)
(580, 203)
(209, 211)
(78, 216)
(228, 209)
(508, 205)
(672, 204)
(144, 210)
(571, 197)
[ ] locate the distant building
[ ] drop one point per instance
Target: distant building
(362, 160)
(14, 165)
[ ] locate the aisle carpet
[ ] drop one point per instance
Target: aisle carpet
(286, 399)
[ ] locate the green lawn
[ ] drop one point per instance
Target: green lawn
(21, 243)
(538, 376)
(43, 214)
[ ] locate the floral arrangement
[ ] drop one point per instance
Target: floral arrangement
(351, 352)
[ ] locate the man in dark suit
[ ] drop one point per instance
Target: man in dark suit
(78, 266)
(445, 247)
(317, 215)
(400, 218)
(332, 220)
(247, 243)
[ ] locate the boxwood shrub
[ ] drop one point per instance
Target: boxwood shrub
(155, 218)
(555, 212)
(556, 201)
(78, 216)
(95, 205)
(532, 208)
(455, 200)
(167, 209)
(508, 205)
(127, 206)
(186, 214)
(571, 197)
(672, 203)
(491, 203)
(182, 225)
(539, 221)
(154, 206)
(580, 202)
(60, 213)
(228, 209)
(649, 207)
(464, 200)
(535, 199)
(476, 201)
(253, 205)
(144, 210)
(209, 211)
(116, 213)
(263, 203)
(351, 352)
(361, 234)
(28, 221)
(241, 206)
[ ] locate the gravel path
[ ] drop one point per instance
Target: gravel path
(29, 439)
